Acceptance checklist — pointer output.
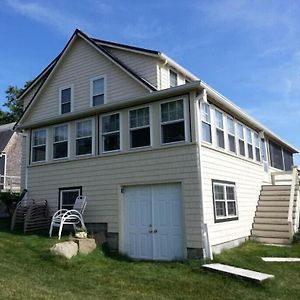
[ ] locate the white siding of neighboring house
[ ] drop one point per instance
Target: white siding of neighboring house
(81, 63)
(143, 65)
(248, 178)
(101, 178)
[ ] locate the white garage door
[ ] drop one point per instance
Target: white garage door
(153, 222)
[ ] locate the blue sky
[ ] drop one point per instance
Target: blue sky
(247, 50)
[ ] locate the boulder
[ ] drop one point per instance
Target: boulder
(65, 249)
(86, 246)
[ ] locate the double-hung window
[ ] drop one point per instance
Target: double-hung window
(206, 122)
(231, 134)
(84, 137)
(139, 127)
(220, 129)
(173, 79)
(98, 91)
(39, 145)
(67, 196)
(60, 141)
(249, 143)
(241, 139)
(257, 147)
(225, 204)
(111, 132)
(65, 95)
(172, 121)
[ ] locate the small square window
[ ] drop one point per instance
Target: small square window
(98, 91)
(173, 79)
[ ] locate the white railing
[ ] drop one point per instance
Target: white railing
(10, 183)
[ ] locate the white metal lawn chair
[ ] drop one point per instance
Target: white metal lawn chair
(69, 217)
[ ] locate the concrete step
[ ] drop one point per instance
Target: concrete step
(282, 221)
(271, 214)
(276, 187)
(271, 227)
(265, 240)
(276, 193)
(270, 233)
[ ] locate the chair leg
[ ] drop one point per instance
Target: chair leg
(51, 228)
(60, 230)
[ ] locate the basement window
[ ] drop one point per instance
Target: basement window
(67, 197)
(224, 198)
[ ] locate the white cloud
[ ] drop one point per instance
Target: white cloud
(47, 15)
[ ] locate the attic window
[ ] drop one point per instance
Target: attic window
(65, 96)
(173, 79)
(98, 91)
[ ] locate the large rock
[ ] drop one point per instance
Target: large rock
(86, 246)
(65, 249)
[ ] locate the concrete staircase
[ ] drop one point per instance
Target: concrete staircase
(271, 224)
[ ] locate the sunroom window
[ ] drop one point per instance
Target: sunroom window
(60, 141)
(257, 147)
(65, 100)
(98, 91)
(231, 134)
(39, 144)
(172, 122)
(111, 132)
(220, 129)
(206, 122)
(225, 205)
(241, 139)
(249, 143)
(84, 137)
(139, 127)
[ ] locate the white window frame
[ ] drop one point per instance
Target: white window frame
(174, 72)
(206, 122)
(135, 128)
(219, 128)
(251, 133)
(120, 131)
(227, 217)
(93, 137)
(185, 121)
(33, 146)
(72, 98)
(230, 133)
(242, 139)
(63, 190)
(68, 141)
(92, 89)
(257, 139)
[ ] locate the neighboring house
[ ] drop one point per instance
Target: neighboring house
(169, 166)
(10, 158)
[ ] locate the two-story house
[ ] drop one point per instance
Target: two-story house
(169, 166)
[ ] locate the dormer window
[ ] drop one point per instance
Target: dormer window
(65, 100)
(98, 91)
(173, 79)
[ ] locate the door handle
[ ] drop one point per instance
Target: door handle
(155, 231)
(150, 231)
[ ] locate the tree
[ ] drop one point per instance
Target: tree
(14, 107)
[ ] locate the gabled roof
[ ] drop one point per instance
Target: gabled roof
(49, 69)
(6, 132)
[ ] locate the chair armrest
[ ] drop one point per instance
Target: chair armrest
(59, 213)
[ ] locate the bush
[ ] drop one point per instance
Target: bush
(10, 200)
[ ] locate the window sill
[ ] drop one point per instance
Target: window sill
(226, 219)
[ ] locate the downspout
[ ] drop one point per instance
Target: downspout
(207, 251)
(26, 166)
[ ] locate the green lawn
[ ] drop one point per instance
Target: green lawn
(28, 271)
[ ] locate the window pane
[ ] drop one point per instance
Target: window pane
(110, 123)
(172, 111)
(206, 132)
(230, 193)
(231, 143)
(98, 87)
(84, 146)
(219, 192)
(140, 137)
(263, 150)
(205, 112)
(173, 78)
(219, 119)
(39, 153)
(249, 136)
(61, 133)
(220, 138)
(173, 132)
(250, 151)
(230, 125)
(84, 129)
(60, 150)
(276, 156)
(242, 147)
(220, 209)
(240, 131)
(111, 142)
(257, 140)
(39, 137)
(68, 198)
(257, 153)
(65, 108)
(288, 160)
(66, 95)
(231, 208)
(139, 117)
(98, 100)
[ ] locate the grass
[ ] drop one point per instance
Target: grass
(28, 271)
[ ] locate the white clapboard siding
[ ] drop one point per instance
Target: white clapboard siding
(248, 177)
(101, 177)
(143, 65)
(81, 63)
(27, 98)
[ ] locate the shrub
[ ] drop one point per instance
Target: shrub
(10, 200)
